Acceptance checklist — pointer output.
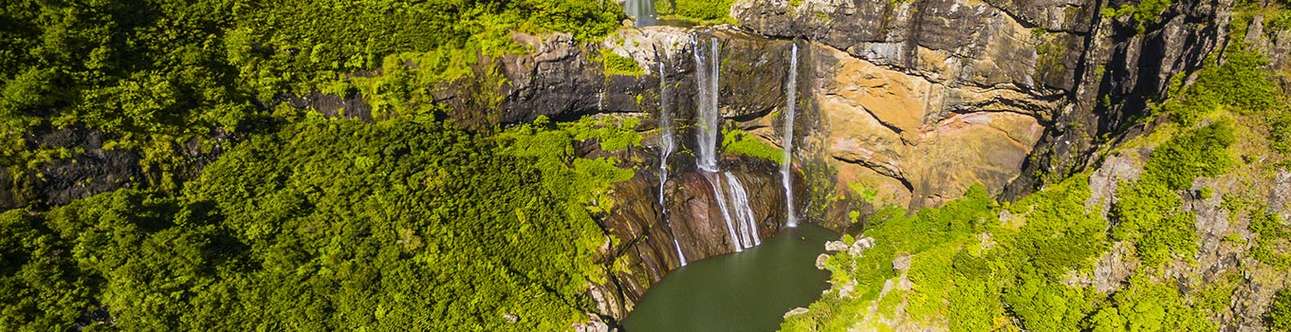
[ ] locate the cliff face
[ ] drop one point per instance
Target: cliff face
(998, 92)
(918, 100)
(915, 100)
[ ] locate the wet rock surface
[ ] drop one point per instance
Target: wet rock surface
(642, 251)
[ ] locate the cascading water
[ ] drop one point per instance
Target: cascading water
(709, 122)
(740, 197)
(709, 118)
(640, 10)
(786, 168)
(666, 146)
(714, 181)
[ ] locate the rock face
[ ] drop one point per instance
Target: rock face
(1019, 82)
(1225, 240)
(92, 170)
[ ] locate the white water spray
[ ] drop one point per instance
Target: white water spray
(742, 211)
(641, 11)
(786, 168)
(714, 181)
(709, 119)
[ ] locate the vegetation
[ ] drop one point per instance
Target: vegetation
(975, 265)
(1280, 314)
(1149, 210)
(698, 11)
(1272, 235)
(328, 224)
(307, 224)
(155, 76)
(739, 142)
(1139, 13)
(615, 64)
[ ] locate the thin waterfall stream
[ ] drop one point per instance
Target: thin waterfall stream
(732, 202)
(666, 145)
(786, 168)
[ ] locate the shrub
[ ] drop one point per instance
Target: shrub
(739, 142)
(1279, 316)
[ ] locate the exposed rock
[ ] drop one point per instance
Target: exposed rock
(644, 251)
(594, 324)
(847, 289)
(820, 261)
(1117, 169)
(92, 169)
(1280, 197)
(1114, 268)
(835, 246)
(901, 263)
(795, 312)
(1276, 44)
(1051, 61)
(917, 141)
(860, 245)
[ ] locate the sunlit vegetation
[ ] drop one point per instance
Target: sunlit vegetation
(742, 143)
(615, 64)
(328, 224)
(158, 75)
(1149, 210)
(976, 265)
(698, 11)
(302, 223)
(1280, 315)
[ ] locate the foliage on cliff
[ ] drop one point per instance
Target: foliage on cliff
(697, 11)
(739, 142)
(327, 224)
(157, 75)
(1280, 315)
(302, 223)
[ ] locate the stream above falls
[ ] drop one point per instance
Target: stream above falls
(747, 291)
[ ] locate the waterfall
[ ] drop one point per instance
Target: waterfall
(786, 168)
(715, 182)
(741, 225)
(742, 210)
(709, 120)
(709, 117)
(666, 146)
(642, 11)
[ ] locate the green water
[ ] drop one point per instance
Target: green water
(748, 291)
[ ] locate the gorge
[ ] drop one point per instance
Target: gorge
(641, 165)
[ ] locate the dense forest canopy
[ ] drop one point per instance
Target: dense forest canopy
(303, 222)
(328, 224)
(155, 75)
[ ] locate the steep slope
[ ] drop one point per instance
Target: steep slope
(1180, 228)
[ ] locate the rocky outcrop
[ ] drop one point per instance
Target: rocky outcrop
(1225, 239)
(1274, 43)
(90, 169)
